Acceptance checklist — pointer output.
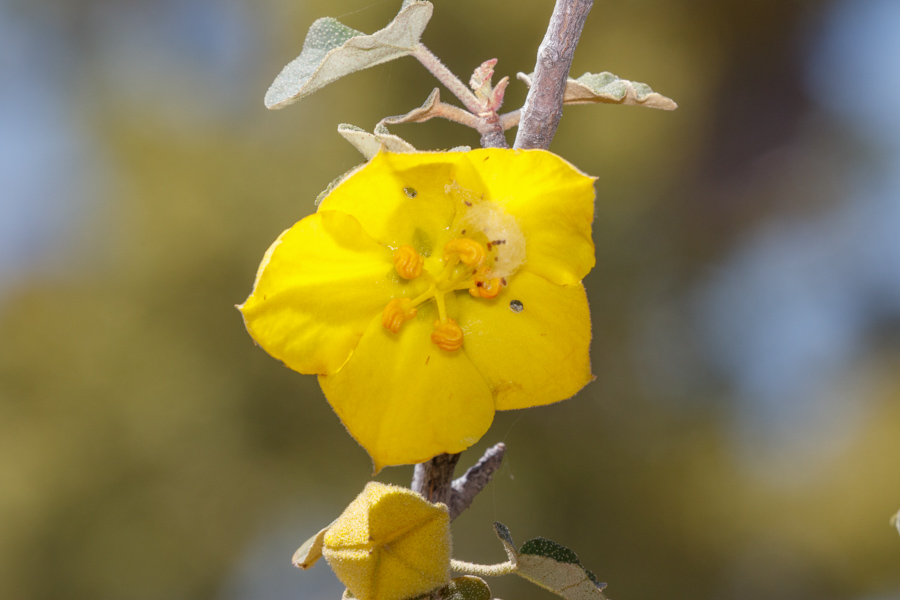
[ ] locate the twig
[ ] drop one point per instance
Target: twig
(434, 477)
(510, 119)
(543, 105)
(465, 488)
(468, 568)
(446, 76)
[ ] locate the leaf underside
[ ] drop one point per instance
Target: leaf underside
(606, 88)
(332, 50)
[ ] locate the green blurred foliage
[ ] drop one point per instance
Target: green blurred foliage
(144, 440)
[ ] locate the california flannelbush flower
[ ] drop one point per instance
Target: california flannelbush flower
(430, 290)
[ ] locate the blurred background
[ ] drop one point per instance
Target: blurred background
(742, 439)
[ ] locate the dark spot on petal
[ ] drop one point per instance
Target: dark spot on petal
(410, 192)
(516, 306)
(427, 358)
(467, 203)
(503, 280)
(489, 245)
(463, 232)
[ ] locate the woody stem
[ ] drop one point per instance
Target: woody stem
(543, 105)
(434, 478)
(537, 125)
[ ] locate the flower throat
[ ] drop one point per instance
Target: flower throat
(486, 249)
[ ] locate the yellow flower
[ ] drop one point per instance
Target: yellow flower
(430, 290)
(390, 544)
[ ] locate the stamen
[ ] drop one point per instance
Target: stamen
(397, 312)
(441, 306)
(468, 250)
(408, 262)
(474, 274)
(447, 336)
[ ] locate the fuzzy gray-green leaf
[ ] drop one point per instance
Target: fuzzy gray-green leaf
(370, 143)
(606, 88)
(502, 532)
(332, 50)
(552, 567)
(311, 551)
(417, 115)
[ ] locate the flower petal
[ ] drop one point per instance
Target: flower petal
(404, 399)
(553, 203)
(531, 342)
(400, 199)
(317, 288)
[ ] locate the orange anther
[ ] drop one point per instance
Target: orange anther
(397, 312)
(447, 335)
(490, 288)
(408, 262)
(468, 250)
(482, 287)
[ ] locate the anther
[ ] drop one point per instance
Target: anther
(482, 287)
(408, 262)
(447, 335)
(468, 250)
(397, 312)
(490, 288)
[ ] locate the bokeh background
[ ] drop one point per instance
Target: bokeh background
(742, 439)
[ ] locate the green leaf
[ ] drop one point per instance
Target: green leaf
(370, 143)
(467, 587)
(311, 550)
(552, 567)
(332, 50)
(606, 88)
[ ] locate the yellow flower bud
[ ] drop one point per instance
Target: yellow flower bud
(390, 544)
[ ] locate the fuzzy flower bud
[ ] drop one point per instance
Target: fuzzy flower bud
(390, 544)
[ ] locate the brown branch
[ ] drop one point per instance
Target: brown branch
(433, 478)
(465, 488)
(543, 105)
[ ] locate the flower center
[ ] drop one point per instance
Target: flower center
(467, 264)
